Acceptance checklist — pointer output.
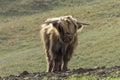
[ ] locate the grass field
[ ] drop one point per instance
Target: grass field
(20, 45)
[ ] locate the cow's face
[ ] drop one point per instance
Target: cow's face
(67, 29)
(66, 26)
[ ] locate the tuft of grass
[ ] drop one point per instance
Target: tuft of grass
(26, 78)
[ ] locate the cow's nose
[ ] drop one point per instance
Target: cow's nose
(70, 37)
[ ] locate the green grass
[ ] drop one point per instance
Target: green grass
(21, 48)
(74, 77)
(81, 77)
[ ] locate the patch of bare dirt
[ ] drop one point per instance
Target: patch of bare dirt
(99, 71)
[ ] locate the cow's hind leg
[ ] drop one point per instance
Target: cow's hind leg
(49, 59)
(50, 66)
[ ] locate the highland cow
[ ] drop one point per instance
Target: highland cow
(59, 37)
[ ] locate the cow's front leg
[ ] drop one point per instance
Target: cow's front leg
(67, 57)
(57, 63)
(65, 63)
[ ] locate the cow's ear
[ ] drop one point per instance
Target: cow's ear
(79, 26)
(55, 23)
(60, 28)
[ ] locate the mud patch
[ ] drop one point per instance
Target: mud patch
(99, 71)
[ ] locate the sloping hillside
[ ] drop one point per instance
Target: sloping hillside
(28, 7)
(20, 45)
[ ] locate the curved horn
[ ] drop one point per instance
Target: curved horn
(52, 20)
(84, 23)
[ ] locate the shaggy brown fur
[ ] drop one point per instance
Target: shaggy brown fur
(59, 37)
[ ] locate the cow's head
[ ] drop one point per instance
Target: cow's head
(67, 27)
